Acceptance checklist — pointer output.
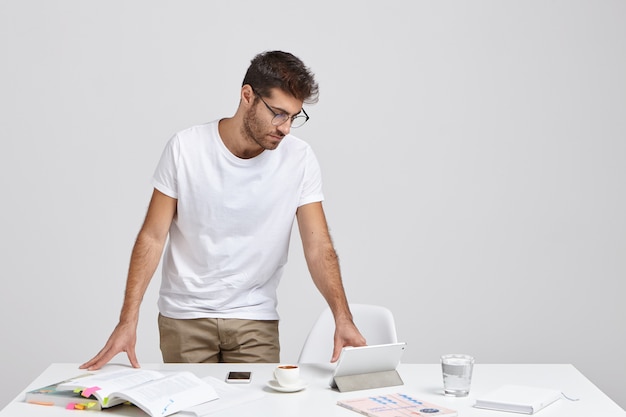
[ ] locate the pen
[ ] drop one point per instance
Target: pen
(41, 402)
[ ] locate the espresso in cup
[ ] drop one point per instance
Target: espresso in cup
(287, 375)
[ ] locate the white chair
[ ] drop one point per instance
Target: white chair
(376, 324)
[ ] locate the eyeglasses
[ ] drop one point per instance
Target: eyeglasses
(281, 118)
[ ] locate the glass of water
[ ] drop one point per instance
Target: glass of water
(457, 374)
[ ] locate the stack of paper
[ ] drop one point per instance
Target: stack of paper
(230, 396)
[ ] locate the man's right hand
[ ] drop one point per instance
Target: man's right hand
(143, 262)
(122, 339)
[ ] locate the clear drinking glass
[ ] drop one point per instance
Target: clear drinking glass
(457, 374)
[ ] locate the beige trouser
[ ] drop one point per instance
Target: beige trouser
(218, 340)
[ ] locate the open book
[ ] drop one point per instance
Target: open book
(156, 393)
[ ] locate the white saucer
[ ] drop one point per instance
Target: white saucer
(273, 384)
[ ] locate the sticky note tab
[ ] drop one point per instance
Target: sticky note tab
(88, 391)
(79, 407)
(70, 406)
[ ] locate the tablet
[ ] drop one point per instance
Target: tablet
(368, 359)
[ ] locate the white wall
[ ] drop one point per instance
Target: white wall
(473, 157)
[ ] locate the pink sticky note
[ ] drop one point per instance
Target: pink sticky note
(88, 391)
(70, 406)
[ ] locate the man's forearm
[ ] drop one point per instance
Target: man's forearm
(143, 263)
(325, 271)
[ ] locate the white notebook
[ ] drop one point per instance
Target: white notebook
(518, 399)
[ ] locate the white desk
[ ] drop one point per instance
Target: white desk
(421, 381)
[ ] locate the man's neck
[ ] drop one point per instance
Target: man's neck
(231, 134)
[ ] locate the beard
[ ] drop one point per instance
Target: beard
(255, 130)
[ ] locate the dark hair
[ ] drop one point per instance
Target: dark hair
(277, 69)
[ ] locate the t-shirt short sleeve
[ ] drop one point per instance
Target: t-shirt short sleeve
(312, 182)
(165, 177)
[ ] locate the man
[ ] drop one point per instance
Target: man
(227, 193)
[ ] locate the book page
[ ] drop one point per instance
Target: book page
(108, 382)
(169, 395)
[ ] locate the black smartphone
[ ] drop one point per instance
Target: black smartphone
(239, 377)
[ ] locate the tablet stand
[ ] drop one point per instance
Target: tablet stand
(367, 381)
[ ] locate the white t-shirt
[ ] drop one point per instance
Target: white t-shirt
(229, 240)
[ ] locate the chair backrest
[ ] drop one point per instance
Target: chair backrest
(376, 324)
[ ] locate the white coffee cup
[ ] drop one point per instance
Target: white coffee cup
(287, 375)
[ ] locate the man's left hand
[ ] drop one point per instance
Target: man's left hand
(346, 334)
